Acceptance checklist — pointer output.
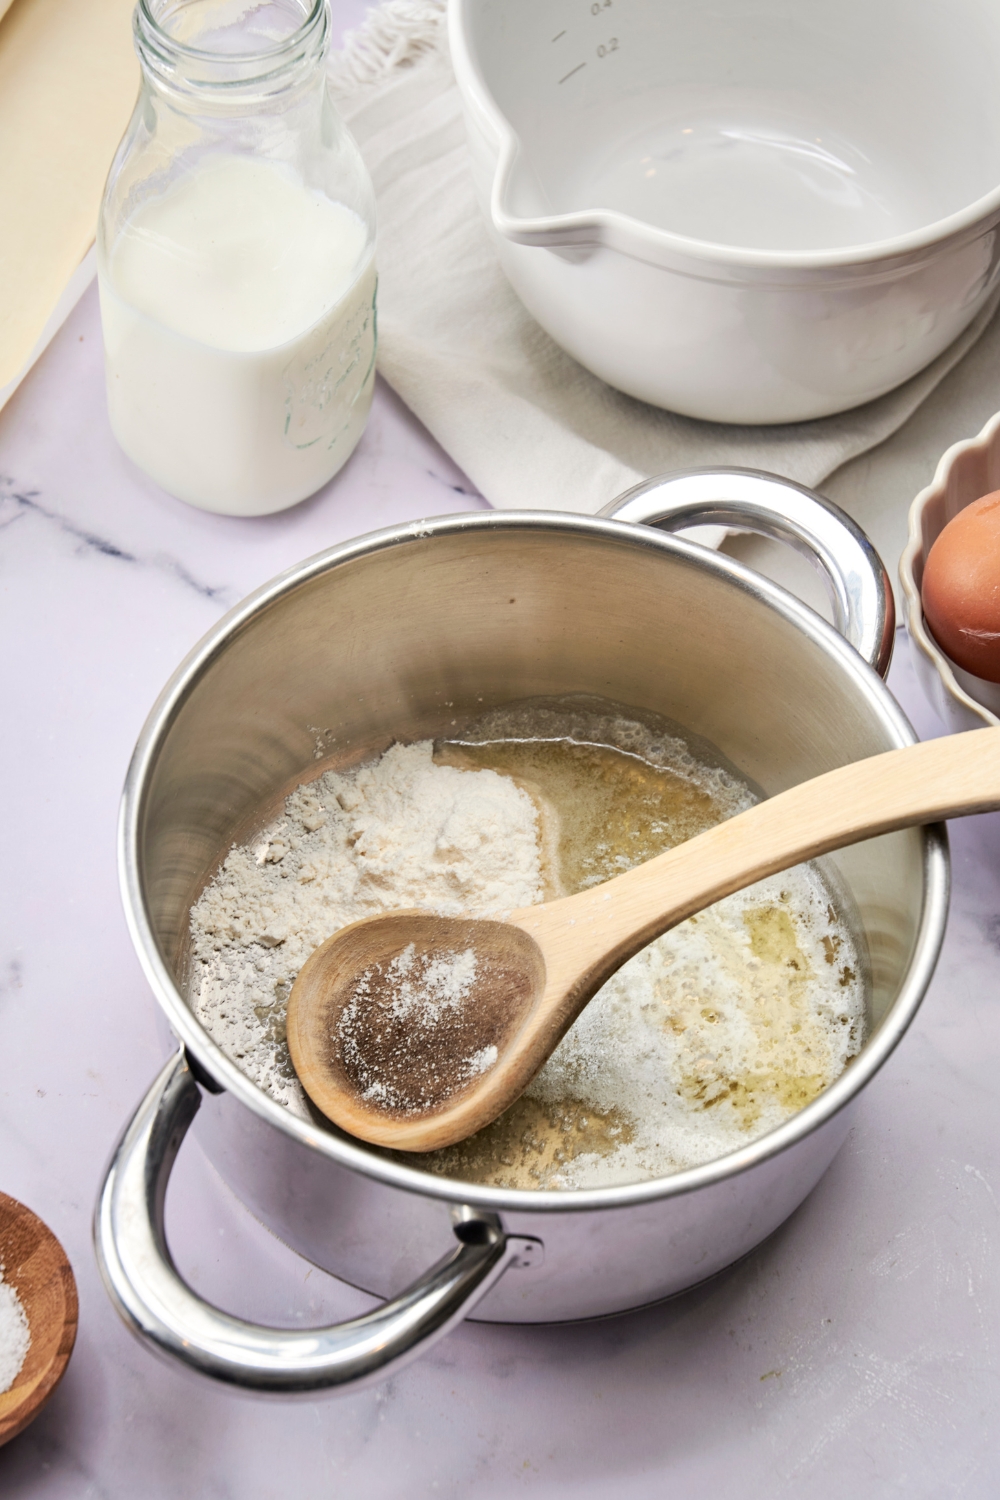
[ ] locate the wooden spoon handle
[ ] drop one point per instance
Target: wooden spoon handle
(588, 936)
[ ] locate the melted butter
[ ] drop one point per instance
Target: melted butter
(603, 809)
(792, 1061)
(532, 1143)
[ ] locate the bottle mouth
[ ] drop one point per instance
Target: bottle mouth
(227, 46)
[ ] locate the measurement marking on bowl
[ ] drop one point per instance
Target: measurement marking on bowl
(559, 34)
(572, 71)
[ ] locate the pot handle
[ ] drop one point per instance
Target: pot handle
(750, 500)
(160, 1308)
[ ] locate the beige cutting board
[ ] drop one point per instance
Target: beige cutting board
(68, 81)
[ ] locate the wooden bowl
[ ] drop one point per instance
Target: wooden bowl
(35, 1265)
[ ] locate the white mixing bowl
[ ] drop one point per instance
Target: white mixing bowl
(750, 211)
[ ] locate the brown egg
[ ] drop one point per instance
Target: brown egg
(961, 588)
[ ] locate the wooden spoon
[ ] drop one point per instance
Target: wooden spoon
(413, 1078)
(36, 1266)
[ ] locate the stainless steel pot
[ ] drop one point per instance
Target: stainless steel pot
(396, 634)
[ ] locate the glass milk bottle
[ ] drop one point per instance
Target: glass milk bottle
(236, 259)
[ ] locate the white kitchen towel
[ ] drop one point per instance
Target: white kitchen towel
(527, 424)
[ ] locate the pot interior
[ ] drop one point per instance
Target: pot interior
(397, 636)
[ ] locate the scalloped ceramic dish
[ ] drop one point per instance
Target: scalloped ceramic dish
(967, 471)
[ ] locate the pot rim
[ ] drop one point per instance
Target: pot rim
(358, 1157)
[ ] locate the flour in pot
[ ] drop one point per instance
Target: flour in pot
(715, 1033)
(403, 832)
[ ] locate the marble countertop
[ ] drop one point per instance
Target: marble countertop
(856, 1352)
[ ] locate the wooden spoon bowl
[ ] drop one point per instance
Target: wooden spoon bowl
(36, 1266)
(426, 1059)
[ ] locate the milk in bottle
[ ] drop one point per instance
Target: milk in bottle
(236, 263)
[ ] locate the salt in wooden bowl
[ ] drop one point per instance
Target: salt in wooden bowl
(36, 1266)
